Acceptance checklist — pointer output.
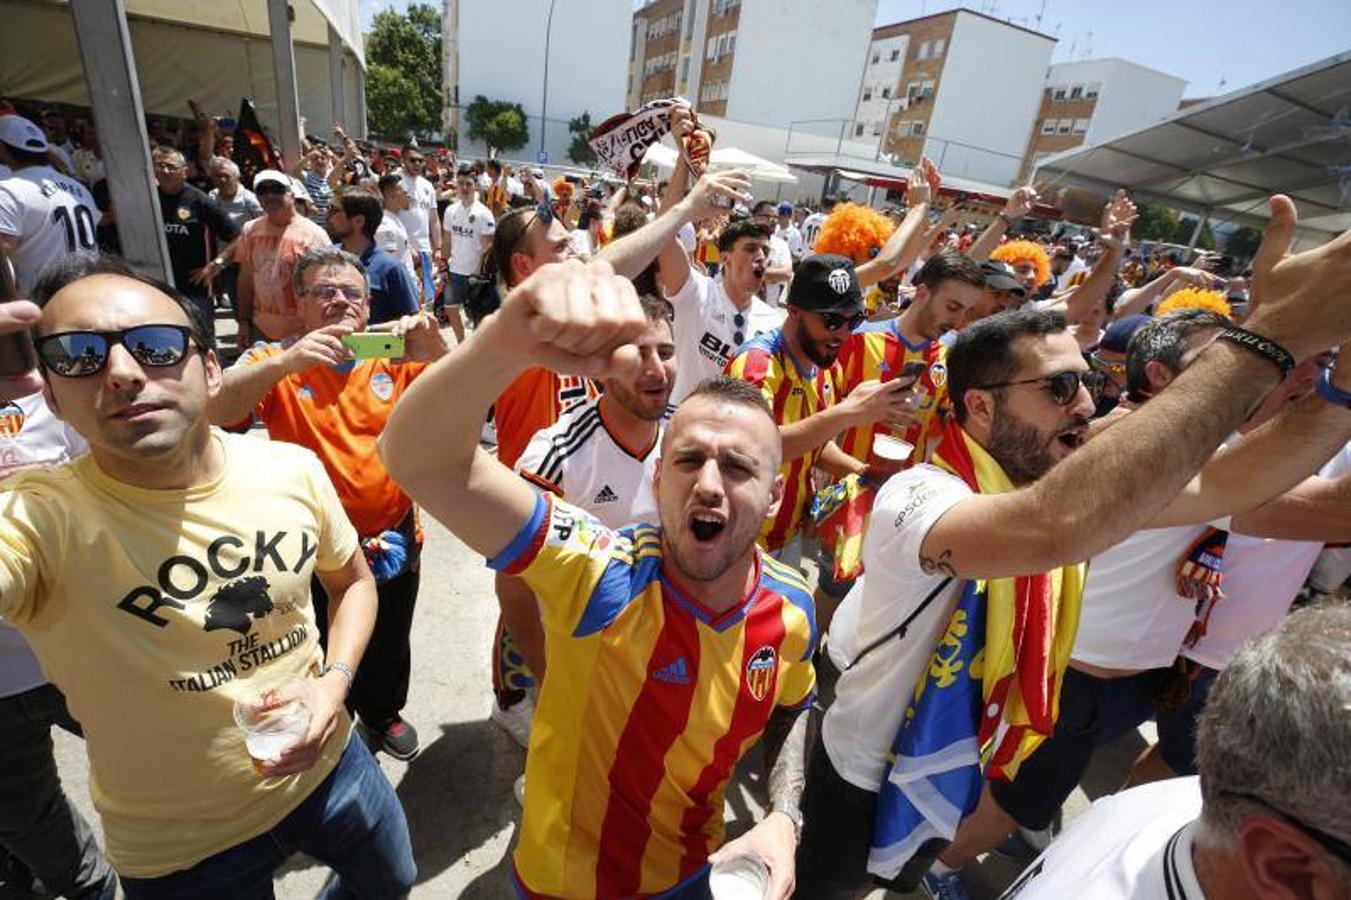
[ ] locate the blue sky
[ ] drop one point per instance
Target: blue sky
(1217, 46)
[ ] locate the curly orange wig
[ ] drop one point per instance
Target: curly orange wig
(1015, 252)
(562, 188)
(1195, 298)
(855, 231)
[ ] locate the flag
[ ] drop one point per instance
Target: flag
(622, 140)
(253, 151)
(840, 512)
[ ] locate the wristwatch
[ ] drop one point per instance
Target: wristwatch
(794, 814)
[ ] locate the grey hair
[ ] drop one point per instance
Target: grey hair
(1277, 726)
(322, 258)
(224, 162)
(1164, 340)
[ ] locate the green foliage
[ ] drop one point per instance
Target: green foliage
(403, 72)
(579, 151)
(1243, 243)
(1159, 223)
(498, 124)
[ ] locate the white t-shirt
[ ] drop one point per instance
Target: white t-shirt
(792, 237)
(1132, 616)
(467, 226)
(29, 435)
(1261, 578)
(687, 237)
(779, 256)
(421, 204)
(706, 330)
(581, 460)
(1135, 845)
(50, 214)
(811, 228)
(392, 237)
(871, 698)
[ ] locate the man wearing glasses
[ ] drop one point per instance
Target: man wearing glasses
(420, 221)
(267, 252)
(1021, 493)
(160, 578)
(354, 220)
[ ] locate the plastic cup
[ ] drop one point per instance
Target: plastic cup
(891, 449)
(739, 878)
(270, 728)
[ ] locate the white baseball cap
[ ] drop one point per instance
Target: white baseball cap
(272, 176)
(21, 134)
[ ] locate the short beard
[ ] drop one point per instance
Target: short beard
(812, 350)
(1021, 452)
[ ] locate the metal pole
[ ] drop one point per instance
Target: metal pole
(544, 92)
(115, 95)
(1196, 232)
(336, 84)
(450, 43)
(361, 131)
(284, 71)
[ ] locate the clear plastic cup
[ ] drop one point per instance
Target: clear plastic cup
(270, 728)
(891, 449)
(739, 878)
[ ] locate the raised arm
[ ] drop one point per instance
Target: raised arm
(570, 317)
(1318, 509)
(907, 241)
(1019, 204)
(1115, 237)
(247, 382)
(1139, 299)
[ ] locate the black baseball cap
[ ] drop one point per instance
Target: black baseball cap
(826, 282)
(999, 277)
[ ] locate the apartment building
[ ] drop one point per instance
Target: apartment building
(1096, 100)
(959, 86)
(768, 62)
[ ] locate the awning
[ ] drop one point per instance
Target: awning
(875, 173)
(1226, 156)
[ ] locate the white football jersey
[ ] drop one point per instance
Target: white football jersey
(49, 214)
(578, 458)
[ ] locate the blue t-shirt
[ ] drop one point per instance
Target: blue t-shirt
(393, 293)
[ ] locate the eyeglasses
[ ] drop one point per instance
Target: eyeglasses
(1336, 846)
(511, 229)
(1064, 385)
(331, 291)
(834, 321)
(76, 354)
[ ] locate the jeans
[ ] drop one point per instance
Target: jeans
(353, 822)
(38, 824)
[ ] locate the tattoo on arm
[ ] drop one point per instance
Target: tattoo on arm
(939, 566)
(786, 756)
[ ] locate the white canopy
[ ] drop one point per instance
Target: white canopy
(760, 169)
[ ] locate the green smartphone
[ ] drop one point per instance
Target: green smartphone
(374, 345)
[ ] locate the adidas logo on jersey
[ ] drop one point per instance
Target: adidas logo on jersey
(606, 495)
(674, 672)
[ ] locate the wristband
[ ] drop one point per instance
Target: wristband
(338, 666)
(1330, 392)
(1264, 347)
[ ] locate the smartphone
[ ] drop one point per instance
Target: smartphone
(909, 374)
(374, 345)
(17, 356)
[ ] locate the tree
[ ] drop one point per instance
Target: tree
(579, 151)
(1159, 223)
(1243, 243)
(403, 72)
(499, 124)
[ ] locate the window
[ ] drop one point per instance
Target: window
(731, 42)
(1064, 125)
(877, 129)
(886, 93)
(895, 55)
(867, 93)
(1076, 92)
(1048, 126)
(1080, 126)
(858, 130)
(712, 48)
(1091, 91)
(939, 45)
(876, 58)
(913, 91)
(924, 50)
(917, 128)
(1058, 93)
(928, 90)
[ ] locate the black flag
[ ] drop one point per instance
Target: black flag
(253, 150)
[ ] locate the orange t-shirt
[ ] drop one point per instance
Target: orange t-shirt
(338, 412)
(272, 251)
(532, 402)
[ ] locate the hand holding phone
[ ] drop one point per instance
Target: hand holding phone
(374, 345)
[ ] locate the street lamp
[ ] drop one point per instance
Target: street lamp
(544, 91)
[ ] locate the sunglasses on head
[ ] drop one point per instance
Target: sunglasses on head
(1111, 368)
(76, 354)
(834, 321)
(1064, 386)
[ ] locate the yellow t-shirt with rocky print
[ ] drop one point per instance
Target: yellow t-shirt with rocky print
(153, 611)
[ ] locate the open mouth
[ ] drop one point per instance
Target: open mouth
(706, 526)
(1074, 438)
(758, 272)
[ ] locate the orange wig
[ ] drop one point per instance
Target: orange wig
(1194, 298)
(1017, 252)
(855, 231)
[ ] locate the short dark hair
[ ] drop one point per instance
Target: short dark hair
(628, 219)
(762, 204)
(1164, 340)
(28, 157)
(731, 390)
(412, 148)
(495, 165)
(361, 202)
(657, 309)
(389, 181)
(67, 269)
(984, 354)
(735, 231)
(950, 266)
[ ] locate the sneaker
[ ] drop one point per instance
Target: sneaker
(398, 739)
(515, 719)
(944, 887)
(518, 791)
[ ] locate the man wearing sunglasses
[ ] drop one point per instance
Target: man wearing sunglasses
(1267, 817)
(159, 579)
(1042, 499)
(354, 220)
(793, 367)
(313, 393)
(420, 220)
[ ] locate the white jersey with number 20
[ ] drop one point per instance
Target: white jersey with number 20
(48, 215)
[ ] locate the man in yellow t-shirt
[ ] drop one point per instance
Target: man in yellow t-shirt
(159, 579)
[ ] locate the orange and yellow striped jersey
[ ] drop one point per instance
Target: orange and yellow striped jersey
(794, 392)
(876, 351)
(533, 402)
(650, 701)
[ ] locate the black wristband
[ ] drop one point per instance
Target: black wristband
(1264, 347)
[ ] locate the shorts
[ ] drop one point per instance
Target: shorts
(459, 290)
(428, 281)
(1093, 711)
(1177, 727)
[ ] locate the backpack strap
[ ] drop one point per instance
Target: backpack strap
(898, 633)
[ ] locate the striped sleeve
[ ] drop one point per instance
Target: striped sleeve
(530, 464)
(760, 369)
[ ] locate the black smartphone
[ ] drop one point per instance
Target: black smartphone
(17, 356)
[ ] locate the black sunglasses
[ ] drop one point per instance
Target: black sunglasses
(835, 321)
(76, 354)
(1064, 385)
(1333, 845)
